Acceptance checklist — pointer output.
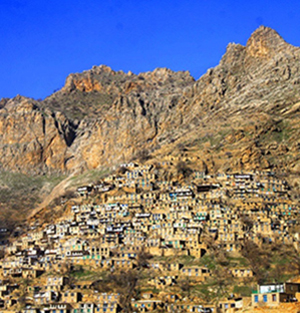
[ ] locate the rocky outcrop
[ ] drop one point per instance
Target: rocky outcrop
(32, 140)
(245, 108)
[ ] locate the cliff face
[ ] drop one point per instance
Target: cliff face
(241, 114)
(119, 116)
(32, 140)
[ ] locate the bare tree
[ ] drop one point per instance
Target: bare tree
(185, 285)
(143, 155)
(247, 223)
(294, 256)
(124, 283)
(23, 293)
(258, 258)
(143, 258)
(183, 169)
(217, 286)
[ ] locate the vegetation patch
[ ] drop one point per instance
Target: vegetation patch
(20, 193)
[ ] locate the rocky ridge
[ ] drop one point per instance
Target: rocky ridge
(241, 114)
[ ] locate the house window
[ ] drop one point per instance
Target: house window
(274, 298)
(265, 298)
(256, 298)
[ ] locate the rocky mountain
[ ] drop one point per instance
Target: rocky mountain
(99, 117)
(243, 114)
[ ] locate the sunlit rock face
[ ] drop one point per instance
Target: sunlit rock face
(242, 114)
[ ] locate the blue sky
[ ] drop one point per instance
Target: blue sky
(41, 42)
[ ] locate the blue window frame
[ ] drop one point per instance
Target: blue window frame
(265, 298)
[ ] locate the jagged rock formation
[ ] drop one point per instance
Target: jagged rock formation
(110, 132)
(241, 114)
(32, 140)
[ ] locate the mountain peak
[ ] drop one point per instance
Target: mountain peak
(265, 42)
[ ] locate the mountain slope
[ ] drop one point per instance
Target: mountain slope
(243, 114)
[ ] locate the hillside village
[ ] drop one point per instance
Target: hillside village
(156, 237)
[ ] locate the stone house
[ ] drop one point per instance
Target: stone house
(47, 297)
(146, 305)
(56, 283)
(195, 272)
(86, 307)
(58, 307)
(107, 307)
(273, 294)
(241, 272)
(70, 296)
(163, 281)
(233, 304)
(189, 307)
